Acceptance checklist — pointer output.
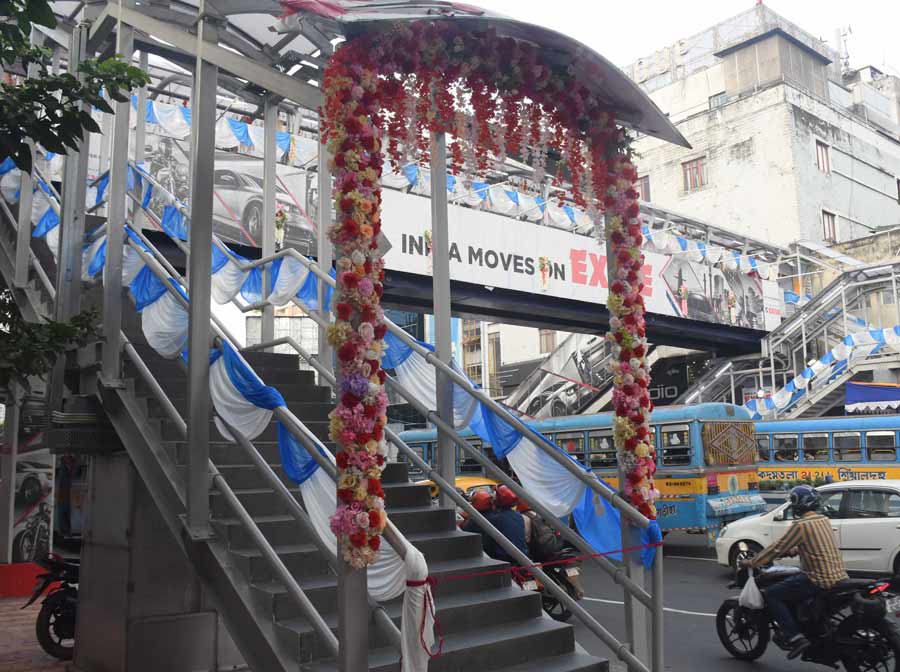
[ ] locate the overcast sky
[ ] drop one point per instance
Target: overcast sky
(626, 31)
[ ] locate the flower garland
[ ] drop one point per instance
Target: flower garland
(631, 397)
(496, 96)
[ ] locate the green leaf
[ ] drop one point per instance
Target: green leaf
(40, 12)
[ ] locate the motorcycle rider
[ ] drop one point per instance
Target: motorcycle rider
(809, 536)
(499, 512)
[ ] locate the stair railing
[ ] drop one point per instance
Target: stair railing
(590, 480)
(262, 544)
(652, 602)
(297, 429)
(33, 260)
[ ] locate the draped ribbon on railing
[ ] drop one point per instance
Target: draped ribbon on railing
(547, 480)
(858, 345)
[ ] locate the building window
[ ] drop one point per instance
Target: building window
(473, 371)
(718, 100)
(829, 228)
(493, 364)
(643, 188)
(548, 341)
(694, 173)
(823, 157)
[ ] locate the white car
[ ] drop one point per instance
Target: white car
(865, 519)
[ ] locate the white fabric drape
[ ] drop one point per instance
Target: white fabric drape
(225, 138)
(165, 326)
(291, 277)
(417, 602)
(171, 120)
(131, 263)
(417, 376)
(528, 208)
(231, 405)
(551, 483)
(52, 239)
(227, 282)
(87, 255)
(387, 576)
(558, 217)
(499, 201)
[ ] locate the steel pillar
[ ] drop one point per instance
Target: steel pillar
(115, 224)
(353, 618)
(440, 276)
(140, 133)
(203, 128)
(8, 481)
(324, 254)
(26, 192)
(267, 227)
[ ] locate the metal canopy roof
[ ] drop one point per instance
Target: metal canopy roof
(633, 107)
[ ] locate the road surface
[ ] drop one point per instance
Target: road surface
(695, 586)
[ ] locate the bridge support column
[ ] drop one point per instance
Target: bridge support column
(267, 226)
(203, 101)
(440, 253)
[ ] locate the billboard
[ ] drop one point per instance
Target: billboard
(498, 251)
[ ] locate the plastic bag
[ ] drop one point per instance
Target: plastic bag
(751, 597)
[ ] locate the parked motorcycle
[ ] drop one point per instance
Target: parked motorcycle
(567, 575)
(852, 624)
(55, 626)
(34, 541)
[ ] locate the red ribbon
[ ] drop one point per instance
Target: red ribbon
(428, 604)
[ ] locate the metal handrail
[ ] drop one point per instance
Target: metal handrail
(265, 548)
(296, 427)
(617, 573)
(33, 260)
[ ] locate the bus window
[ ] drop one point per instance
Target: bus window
(847, 447)
(418, 449)
(815, 447)
(763, 449)
(881, 446)
(786, 448)
(603, 452)
(676, 445)
(467, 465)
(572, 444)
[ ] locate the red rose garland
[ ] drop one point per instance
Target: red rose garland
(497, 96)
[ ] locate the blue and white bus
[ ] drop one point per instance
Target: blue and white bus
(705, 460)
(844, 448)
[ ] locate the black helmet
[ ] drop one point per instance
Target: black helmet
(804, 498)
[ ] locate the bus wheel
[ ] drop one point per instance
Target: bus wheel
(738, 554)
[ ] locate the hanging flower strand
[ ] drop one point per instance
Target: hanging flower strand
(496, 95)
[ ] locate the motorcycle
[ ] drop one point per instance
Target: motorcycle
(851, 624)
(55, 626)
(565, 573)
(34, 541)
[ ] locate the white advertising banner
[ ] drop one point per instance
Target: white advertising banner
(497, 251)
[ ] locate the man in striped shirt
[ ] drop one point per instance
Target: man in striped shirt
(811, 538)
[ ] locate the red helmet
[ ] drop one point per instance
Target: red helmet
(523, 506)
(506, 497)
(482, 501)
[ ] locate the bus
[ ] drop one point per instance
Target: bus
(706, 471)
(843, 448)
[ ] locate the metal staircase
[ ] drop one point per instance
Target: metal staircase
(860, 299)
(265, 569)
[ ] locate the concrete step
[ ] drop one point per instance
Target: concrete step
(412, 519)
(279, 529)
(243, 476)
(172, 373)
(525, 642)
(406, 494)
(272, 598)
(394, 473)
(257, 501)
(302, 560)
(577, 661)
(221, 452)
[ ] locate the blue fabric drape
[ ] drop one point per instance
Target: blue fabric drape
(248, 383)
(241, 131)
(7, 166)
(309, 292)
(298, 464)
(101, 185)
(411, 173)
(96, 264)
(48, 221)
(481, 189)
(186, 115)
(148, 194)
(173, 223)
(396, 351)
(513, 196)
(599, 522)
(283, 140)
(146, 288)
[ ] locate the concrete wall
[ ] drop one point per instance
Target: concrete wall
(862, 186)
(747, 149)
